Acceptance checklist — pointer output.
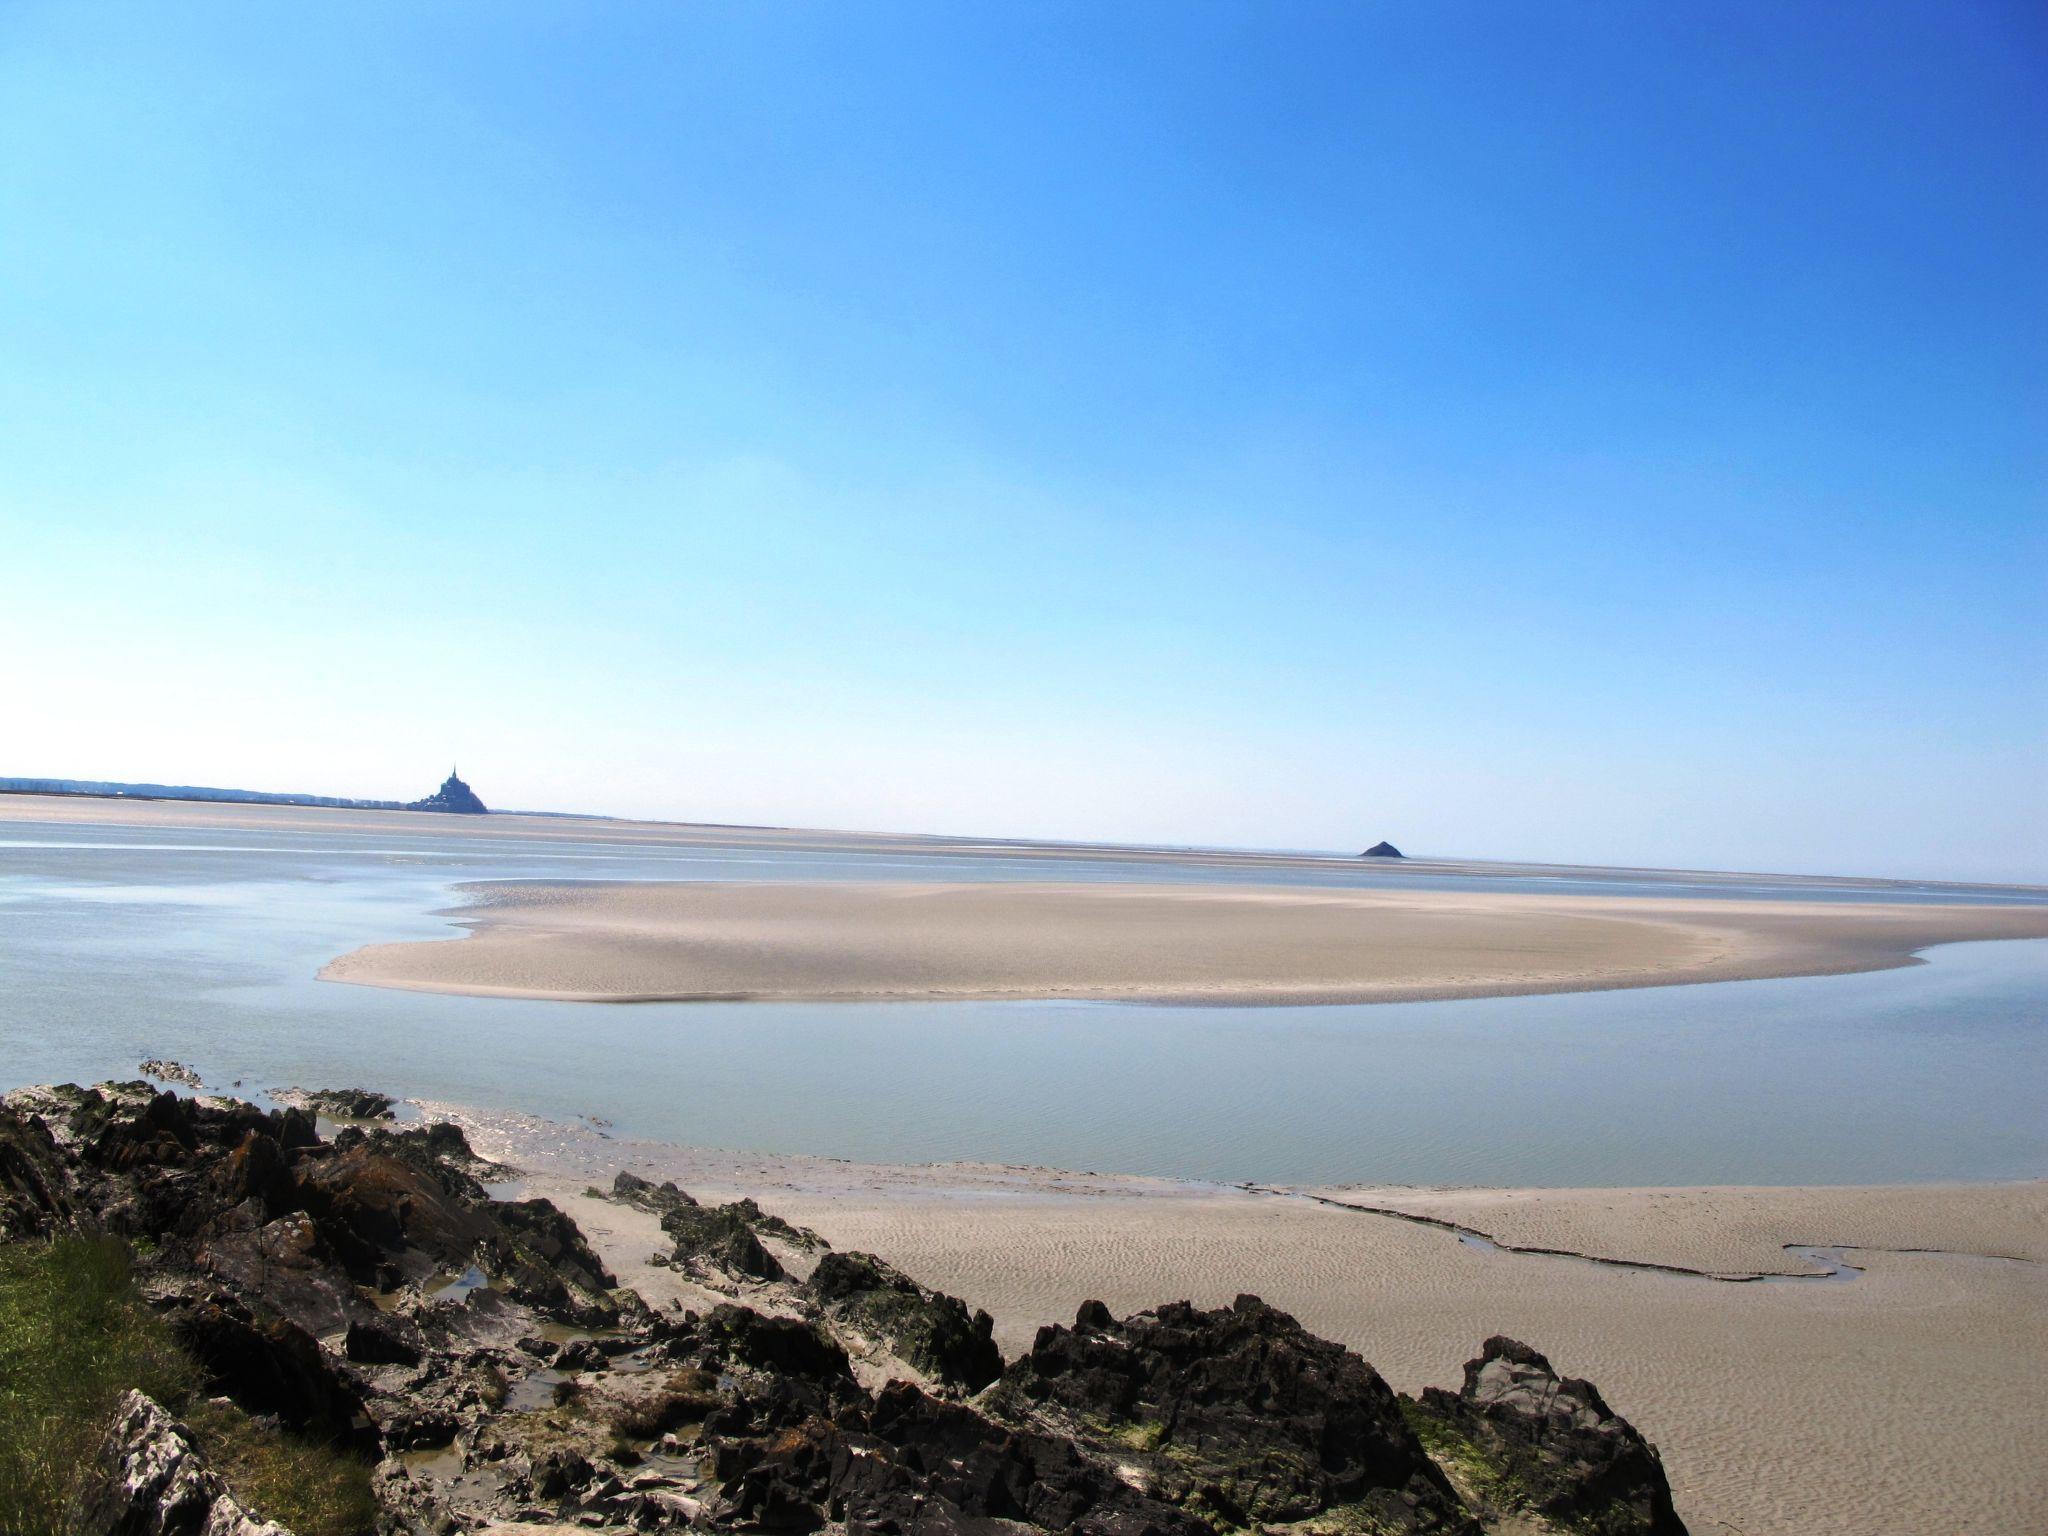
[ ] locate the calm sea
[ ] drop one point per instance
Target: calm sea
(118, 944)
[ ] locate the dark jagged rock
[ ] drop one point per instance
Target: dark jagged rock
(288, 1263)
(989, 1469)
(784, 1345)
(930, 1329)
(454, 796)
(1535, 1442)
(382, 1341)
(440, 1150)
(1383, 851)
(663, 1199)
(556, 1240)
(776, 1227)
(258, 1170)
(336, 1103)
(373, 1203)
(1239, 1412)
(655, 1199)
(35, 1193)
(939, 1469)
(152, 1481)
(720, 1237)
(558, 1472)
(269, 1365)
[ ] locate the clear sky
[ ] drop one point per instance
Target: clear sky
(1590, 432)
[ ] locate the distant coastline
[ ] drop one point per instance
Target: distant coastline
(113, 789)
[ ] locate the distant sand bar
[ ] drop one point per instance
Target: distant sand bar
(701, 940)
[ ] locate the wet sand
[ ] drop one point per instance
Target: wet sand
(702, 940)
(1911, 1397)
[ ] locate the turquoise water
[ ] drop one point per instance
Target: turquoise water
(116, 945)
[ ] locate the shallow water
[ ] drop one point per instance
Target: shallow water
(117, 944)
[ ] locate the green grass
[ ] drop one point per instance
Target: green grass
(312, 1488)
(74, 1336)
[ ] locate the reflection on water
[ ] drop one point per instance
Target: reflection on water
(115, 946)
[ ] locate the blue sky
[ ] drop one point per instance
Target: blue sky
(1605, 432)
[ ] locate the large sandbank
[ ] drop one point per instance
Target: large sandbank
(698, 940)
(1912, 1397)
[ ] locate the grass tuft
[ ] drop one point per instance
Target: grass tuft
(311, 1488)
(74, 1336)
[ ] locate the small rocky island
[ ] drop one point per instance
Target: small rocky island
(346, 1336)
(454, 796)
(1383, 851)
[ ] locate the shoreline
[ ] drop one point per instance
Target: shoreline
(1774, 1403)
(1190, 944)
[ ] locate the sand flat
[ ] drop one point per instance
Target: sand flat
(1911, 1398)
(695, 940)
(1738, 1230)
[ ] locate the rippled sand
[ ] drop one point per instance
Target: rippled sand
(1911, 1398)
(694, 940)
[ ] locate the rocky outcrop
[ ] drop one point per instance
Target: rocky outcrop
(912, 1463)
(711, 1241)
(269, 1365)
(169, 1072)
(336, 1103)
(372, 1202)
(1530, 1441)
(655, 1199)
(369, 1294)
(34, 1192)
(1240, 1413)
(927, 1329)
(154, 1482)
(440, 1150)
(1383, 851)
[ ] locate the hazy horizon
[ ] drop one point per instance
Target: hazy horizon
(1606, 436)
(1410, 854)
